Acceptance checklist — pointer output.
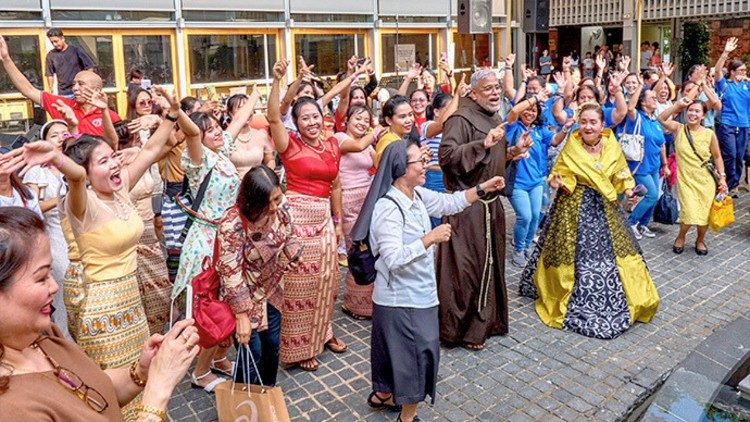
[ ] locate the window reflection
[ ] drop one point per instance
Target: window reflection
(221, 58)
(421, 52)
(99, 48)
(151, 54)
(328, 52)
(25, 53)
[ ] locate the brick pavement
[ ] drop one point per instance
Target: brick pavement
(535, 372)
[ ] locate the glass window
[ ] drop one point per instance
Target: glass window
(112, 15)
(463, 50)
(413, 48)
(222, 58)
(13, 15)
(330, 17)
(152, 54)
(328, 53)
(25, 53)
(99, 48)
(232, 16)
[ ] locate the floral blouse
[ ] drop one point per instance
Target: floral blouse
(252, 261)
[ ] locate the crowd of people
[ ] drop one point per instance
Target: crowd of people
(105, 222)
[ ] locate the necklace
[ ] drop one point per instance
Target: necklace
(593, 148)
(119, 209)
(321, 149)
(246, 139)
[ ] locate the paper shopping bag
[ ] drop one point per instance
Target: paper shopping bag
(250, 403)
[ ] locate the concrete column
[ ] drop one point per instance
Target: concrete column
(629, 32)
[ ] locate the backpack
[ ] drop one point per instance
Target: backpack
(360, 257)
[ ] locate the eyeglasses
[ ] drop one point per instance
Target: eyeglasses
(423, 160)
(71, 381)
(144, 103)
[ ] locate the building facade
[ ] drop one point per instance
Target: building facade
(199, 45)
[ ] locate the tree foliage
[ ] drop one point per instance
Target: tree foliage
(694, 45)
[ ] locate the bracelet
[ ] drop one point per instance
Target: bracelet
(134, 375)
(172, 119)
(60, 164)
(161, 414)
(336, 218)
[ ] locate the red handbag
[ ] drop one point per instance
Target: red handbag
(214, 318)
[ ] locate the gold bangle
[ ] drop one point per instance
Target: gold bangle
(134, 375)
(161, 414)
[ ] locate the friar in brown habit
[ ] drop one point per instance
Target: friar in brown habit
(471, 266)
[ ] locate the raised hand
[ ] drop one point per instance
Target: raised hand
(730, 46)
(522, 146)
(351, 64)
(279, 69)
(174, 103)
(4, 54)
(626, 62)
(561, 81)
(462, 89)
(414, 71)
(254, 94)
(510, 59)
(67, 113)
(601, 62)
(305, 70)
(494, 136)
(684, 102)
(364, 67)
(14, 161)
(667, 69)
(39, 153)
(444, 66)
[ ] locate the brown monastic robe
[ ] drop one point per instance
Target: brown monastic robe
(471, 281)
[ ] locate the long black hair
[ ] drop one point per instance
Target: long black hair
(254, 195)
(80, 151)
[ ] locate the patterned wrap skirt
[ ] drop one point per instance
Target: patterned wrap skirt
(310, 289)
(153, 279)
(587, 272)
(111, 326)
(357, 299)
(74, 292)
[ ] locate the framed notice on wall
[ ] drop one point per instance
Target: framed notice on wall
(405, 56)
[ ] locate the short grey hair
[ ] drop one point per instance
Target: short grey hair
(477, 76)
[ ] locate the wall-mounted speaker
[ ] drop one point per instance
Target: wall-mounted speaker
(474, 16)
(535, 16)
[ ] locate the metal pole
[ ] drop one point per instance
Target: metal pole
(508, 36)
(639, 11)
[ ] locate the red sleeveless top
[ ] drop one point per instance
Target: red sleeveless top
(311, 170)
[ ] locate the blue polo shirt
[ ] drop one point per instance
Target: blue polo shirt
(735, 102)
(653, 135)
(607, 111)
(531, 171)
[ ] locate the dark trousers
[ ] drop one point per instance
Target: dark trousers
(732, 143)
(264, 346)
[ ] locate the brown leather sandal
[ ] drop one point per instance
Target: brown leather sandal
(335, 345)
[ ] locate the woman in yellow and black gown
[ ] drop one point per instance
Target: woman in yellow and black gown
(587, 272)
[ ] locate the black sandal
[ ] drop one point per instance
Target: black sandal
(416, 418)
(381, 403)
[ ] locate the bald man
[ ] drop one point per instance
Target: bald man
(89, 117)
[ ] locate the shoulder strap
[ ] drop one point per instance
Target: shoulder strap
(201, 191)
(692, 146)
(403, 216)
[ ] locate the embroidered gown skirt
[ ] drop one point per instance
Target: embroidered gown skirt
(587, 272)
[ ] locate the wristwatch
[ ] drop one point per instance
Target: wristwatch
(481, 193)
(172, 119)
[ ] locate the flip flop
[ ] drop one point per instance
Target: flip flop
(335, 345)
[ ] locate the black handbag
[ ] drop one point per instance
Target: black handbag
(360, 258)
(665, 211)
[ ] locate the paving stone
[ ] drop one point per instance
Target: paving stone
(536, 372)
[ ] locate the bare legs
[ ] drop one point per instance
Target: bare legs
(700, 240)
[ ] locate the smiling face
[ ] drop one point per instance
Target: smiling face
(695, 114)
(664, 93)
(631, 84)
(529, 115)
(25, 305)
(487, 93)
(591, 126)
(143, 103)
(649, 102)
(213, 135)
(402, 120)
(359, 123)
(309, 122)
(56, 135)
(104, 170)
(419, 102)
(416, 169)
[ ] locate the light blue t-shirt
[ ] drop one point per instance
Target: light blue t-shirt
(530, 171)
(735, 102)
(653, 135)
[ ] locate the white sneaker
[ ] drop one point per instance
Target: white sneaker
(527, 253)
(519, 259)
(646, 232)
(636, 231)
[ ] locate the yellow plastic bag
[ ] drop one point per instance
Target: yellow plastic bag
(721, 214)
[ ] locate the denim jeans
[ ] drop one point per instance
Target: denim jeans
(264, 346)
(732, 143)
(527, 204)
(434, 182)
(643, 212)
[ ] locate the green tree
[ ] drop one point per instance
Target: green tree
(694, 45)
